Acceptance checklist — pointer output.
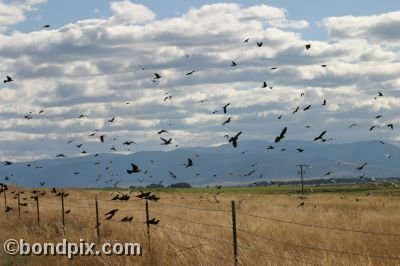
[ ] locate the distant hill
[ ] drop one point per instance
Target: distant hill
(231, 166)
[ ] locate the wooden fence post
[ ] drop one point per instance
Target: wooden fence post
(235, 245)
(19, 206)
(37, 209)
(147, 221)
(62, 210)
(97, 220)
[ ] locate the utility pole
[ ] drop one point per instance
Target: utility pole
(301, 174)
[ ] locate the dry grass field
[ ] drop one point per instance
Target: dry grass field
(330, 229)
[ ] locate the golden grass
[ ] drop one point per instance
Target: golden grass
(177, 242)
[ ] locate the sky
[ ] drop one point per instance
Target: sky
(98, 58)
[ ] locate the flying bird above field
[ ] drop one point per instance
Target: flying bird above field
(190, 73)
(390, 125)
(172, 174)
(128, 143)
(234, 139)
(320, 136)
(281, 136)
(296, 110)
(246, 41)
(162, 131)
(8, 79)
(225, 106)
(233, 64)
(259, 44)
(270, 147)
(102, 138)
(308, 46)
(371, 128)
(378, 116)
(61, 155)
(226, 121)
(353, 125)
(111, 120)
(324, 103)
(362, 166)
(81, 116)
(189, 163)
(307, 107)
(46, 26)
(135, 169)
(300, 150)
(380, 94)
(323, 65)
(273, 68)
(157, 76)
(202, 101)
(301, 204)
(166, 142)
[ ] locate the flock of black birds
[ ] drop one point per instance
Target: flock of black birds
(233, 139)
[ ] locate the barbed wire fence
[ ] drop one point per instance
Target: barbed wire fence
(151, 222)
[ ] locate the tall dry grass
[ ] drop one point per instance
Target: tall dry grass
(177, 242)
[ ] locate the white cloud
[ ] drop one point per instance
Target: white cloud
(96, 66)
(131, 13)
(382, 28)
(15, 12)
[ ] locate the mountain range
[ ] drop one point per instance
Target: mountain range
(250, 162)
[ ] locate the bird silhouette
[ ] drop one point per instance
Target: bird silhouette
(246, 41)
(264, 85)
(153, 221)
(259, 44)
(281, 136)
(189, 163)
(320, 136)
(135, 169)
(225, 106)
(112, 119)
(233, 64)
(308, 46)
(307, 107)
(190, 73)
(102, 138)
(226, 121)
(362, 166)
(234, 139)
(301, 204)
(166, 142)
(8, 79)
(162, 131)
(296, 110)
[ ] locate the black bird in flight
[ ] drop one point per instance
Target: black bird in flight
(166, 142)
(225, 106)
(270, 147)
(157, 76)
(323, 65)
(162, 131)
(135, 169)
(233, 64)
(300, 150)
(172, 174)
(259, 44)
(308, 46)
(273, 68)
(7, 163)
(301, 204)
(112, 119)
(296, 110)
(264, 85)
(227, 121)
(362, 166)
(143, 195)
(234, 139)
(246, 41)
(390, 125)
(81, 116)
(307, 107)
(380, 94)
(320, 136)
(46, 26)
(8, 79)
(189, 163)
(190, 73)
(61, 155)
(281, 136)
(102, 138)
(128, 143)
(324, 103)
(371, 128)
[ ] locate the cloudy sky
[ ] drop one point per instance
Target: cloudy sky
(98, 58)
